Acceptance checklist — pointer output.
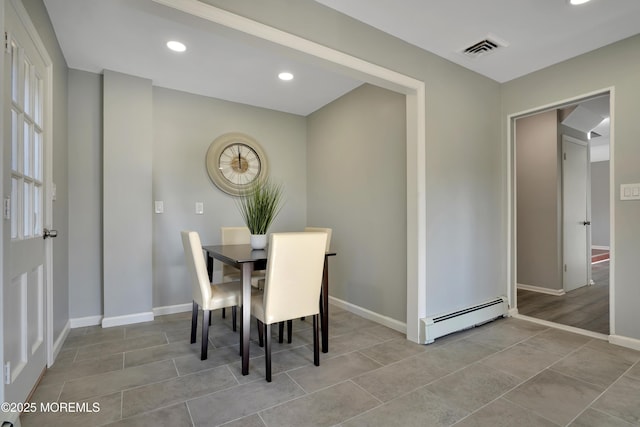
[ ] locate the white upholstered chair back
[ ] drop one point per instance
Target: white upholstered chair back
(200, 285)
(321, 230)
(294, 275)
(233, 236)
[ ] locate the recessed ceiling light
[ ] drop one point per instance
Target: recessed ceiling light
(285, 76)
(176, 46)
(576, 2)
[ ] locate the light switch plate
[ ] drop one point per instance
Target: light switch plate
(630, 191)
(199, 208)
(159, 206)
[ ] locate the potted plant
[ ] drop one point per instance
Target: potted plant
(259, 205)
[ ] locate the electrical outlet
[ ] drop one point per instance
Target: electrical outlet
(630, 191)
(199, 208)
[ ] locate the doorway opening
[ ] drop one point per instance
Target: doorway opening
(561, 214)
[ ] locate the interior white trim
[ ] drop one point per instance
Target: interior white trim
(603, 248)
(563, 327)
(416, 145)
(128, 319)
(511, 208)
(57, 346)
(370, 315)
(81, 322)
(171, 309)
(556, 292)
(620, 340)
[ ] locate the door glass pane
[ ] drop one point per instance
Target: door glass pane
(27, 88)
(15, 74)
(14, 208)
(37, 210)
(38, 101)
(37, 155)
(26, 209)
(14, 140)
(26, 147)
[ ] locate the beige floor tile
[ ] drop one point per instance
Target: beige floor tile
(243, 400)
(391, 381)
(416, 409)
(473, 387)
(58, 374)
(502, 413)
(595, 418)
(176, 415)
(175, 390)
(557, 341)
(622, 400)
(556, 396)
(323, 408)
(96, 385)
(521, 360)
(393, 351)
(121, 346)
(593, 366)
(332, 371)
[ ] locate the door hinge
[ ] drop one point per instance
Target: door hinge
(565, 268)
(7, 373)
(564, 156)
(6, 42)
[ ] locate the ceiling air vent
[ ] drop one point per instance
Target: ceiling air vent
(483, 47)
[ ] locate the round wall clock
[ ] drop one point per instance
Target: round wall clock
(235, 161)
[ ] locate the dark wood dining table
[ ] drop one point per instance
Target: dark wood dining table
(246, 259)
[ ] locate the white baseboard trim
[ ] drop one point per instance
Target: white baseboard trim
(171, 309)
(57, 345)
(556, 292)
(128, 319)
(620, 340)
(512, 312)
(603, 248)
(563, 327)
(369, 315)
(10, 417)
(81, 322)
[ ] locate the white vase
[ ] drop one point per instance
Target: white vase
(258, 241)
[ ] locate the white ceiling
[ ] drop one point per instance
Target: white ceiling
(129, 37)
(538, 33)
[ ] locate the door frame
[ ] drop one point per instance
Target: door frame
(511, 208)
(570, 139)
(48, 179)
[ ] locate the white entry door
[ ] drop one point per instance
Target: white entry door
(25, 213)
(576, 225)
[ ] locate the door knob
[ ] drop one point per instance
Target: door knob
(49, 233)
(586, 222)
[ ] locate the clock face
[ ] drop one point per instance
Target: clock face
(239, 163)
(235, 161)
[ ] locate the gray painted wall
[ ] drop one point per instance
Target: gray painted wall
(184, 126)
(85, 194)
(127, 183)
(617, 66)
(539, 241)
(600, 212)
(356, 169)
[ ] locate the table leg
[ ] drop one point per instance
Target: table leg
(325, 306)
(245, 331)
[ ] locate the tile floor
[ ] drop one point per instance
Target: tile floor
(506, 373)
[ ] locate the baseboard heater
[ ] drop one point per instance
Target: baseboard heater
(445, 324)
